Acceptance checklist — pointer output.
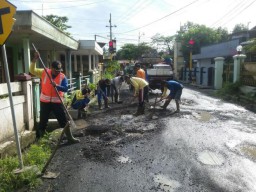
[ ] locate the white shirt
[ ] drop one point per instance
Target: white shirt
(117, 82)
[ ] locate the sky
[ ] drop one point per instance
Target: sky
(137, 21)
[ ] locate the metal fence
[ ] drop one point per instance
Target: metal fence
(248, 74)
(77, 83)
(228, 70)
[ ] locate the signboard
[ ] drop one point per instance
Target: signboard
(7, 11)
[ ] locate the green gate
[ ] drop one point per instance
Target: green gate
(227, 75)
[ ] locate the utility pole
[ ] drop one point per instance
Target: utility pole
(110, 27)
(140, 37)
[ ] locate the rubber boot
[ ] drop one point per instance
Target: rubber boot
(137, 113)
(106, 104)
(100, 105)
(177, 106)
(71, 139)
(166, 103)
(140, 111)
(116, 98)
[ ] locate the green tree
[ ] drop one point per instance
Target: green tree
(59, 22)
(251, 46)
(133, 52)
(111, 69)
(165, 42)
(128, 52)
(201, 35)
(240, 27)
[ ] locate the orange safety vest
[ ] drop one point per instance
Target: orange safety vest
(48, 92)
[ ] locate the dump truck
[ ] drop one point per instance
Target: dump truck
(160, 72)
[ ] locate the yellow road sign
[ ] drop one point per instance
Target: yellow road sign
(7, 11)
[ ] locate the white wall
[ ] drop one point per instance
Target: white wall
(23, 107)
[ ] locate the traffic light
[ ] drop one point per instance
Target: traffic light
(112, 46)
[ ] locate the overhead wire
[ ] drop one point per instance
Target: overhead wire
(193, 2)
(240, 12)
(130, 9)
(232, 11)
(134, 13)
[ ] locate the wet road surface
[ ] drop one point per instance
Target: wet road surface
(209, 146)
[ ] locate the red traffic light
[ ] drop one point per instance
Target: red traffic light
(191, 42)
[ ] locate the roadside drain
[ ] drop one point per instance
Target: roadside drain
(166, 184)
(210, 158)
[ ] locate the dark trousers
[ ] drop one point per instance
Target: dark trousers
(46, 109)
(143, 95)
(114, 93)
(146, 92)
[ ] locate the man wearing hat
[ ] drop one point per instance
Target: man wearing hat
(80, 100)
(49, 99)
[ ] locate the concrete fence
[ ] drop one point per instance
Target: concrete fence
(23, 107)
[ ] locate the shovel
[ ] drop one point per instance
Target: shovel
(67, 113)
(154, 107)
(47, 174)
(71, 122)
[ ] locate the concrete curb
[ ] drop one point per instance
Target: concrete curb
(9, 148)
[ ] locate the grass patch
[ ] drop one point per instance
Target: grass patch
(36, 155)
(229, 91)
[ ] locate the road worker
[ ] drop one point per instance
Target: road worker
(49, 99)
(175, 93)
(140, 90)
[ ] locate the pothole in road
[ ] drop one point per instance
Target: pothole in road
(249, 150)
(99, 153)
(165, 183)
(188, 102)
(202, 116)
(210, 158)
(123, 159)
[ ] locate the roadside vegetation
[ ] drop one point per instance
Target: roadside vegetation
(36, 156)
(231, 92)
(34, 159)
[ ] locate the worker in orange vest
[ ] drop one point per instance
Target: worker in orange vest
(49, 100)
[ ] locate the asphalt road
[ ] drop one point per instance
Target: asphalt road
(210, 146)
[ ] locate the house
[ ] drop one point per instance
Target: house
(78, 57)
(203, 63)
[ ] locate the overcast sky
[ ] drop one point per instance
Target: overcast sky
(141, 18)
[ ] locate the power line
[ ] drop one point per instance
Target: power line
(232, 11)
(240, 12)
(134, 13)
(163, 17)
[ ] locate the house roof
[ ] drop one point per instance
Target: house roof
(89, 47)
(218, 50)
(40, 32)
(45, 36)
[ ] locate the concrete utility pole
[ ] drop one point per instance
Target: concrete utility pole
(110, 27)
(140, 37)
